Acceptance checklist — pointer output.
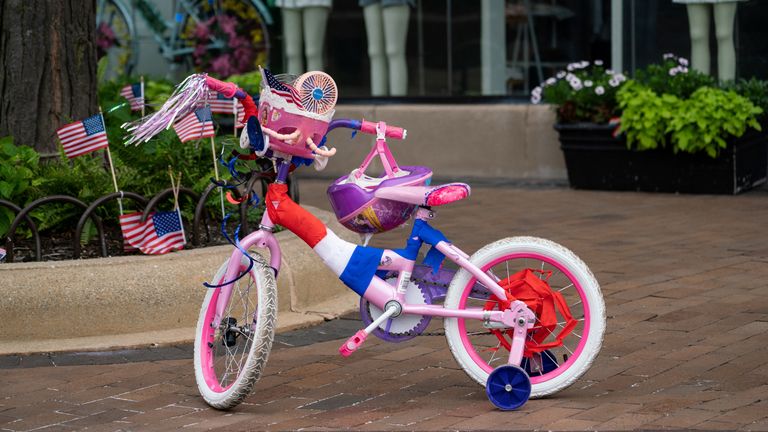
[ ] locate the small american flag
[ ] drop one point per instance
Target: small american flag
(83, 136)
(220, 104)
(240, 115)
(195, 125)
(2, 254)
(281, 89)
(135, 95)
(161, 233)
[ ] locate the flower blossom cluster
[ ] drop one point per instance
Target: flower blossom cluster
(681, 67)
(576, 84)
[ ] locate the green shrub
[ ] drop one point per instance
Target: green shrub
(18, 177)
(701, 123)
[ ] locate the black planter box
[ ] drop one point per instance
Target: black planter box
(597, 160)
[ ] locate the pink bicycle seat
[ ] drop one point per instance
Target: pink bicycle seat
(425, 195)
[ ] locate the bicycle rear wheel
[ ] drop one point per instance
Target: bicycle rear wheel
(230, 355)
(479, 351)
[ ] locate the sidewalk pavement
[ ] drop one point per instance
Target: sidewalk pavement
(686, 347)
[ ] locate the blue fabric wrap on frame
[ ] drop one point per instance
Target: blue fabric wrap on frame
(255, 136)
(361, 268)
(422, 232)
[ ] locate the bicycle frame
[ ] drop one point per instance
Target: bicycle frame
(381, 293)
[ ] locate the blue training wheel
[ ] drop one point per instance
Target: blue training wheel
(508, 387)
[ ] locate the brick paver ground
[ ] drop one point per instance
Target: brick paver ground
(685, 284)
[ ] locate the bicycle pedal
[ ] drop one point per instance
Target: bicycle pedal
(353, 343)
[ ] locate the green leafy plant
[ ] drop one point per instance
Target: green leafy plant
(701, 123)
(708, 117)
(753, 89)
(584, 92)
(18, 169)
(645, 115)
(673, 77)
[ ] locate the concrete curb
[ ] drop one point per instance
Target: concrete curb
(149, 300)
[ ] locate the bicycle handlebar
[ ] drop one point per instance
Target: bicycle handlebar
(228, 89)
(368, 127)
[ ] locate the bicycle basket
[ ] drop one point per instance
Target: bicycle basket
(281, 109)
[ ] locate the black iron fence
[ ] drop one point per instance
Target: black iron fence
(255, 184)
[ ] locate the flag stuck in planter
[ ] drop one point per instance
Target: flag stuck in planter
(161, 233)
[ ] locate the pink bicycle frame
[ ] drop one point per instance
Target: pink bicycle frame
(261, 238)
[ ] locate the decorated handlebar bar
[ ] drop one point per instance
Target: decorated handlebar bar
(292, 117)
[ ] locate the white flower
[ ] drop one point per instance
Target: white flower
(550, 81)
(570, 76)
(613, 82)
(576, 84)
(587, 83)
(571, 66)
(560, 75)
(673, 71)
(599, 90)
(598, 62)
(668, 56)
(535, 99)
(682, 61)
(609, 71)
(583, 64)
(536, 91)
(683, 69)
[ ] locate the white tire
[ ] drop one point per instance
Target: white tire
(221, 387)
(473, 347)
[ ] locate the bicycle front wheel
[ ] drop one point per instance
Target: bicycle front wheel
(230, 354)
(479, 351)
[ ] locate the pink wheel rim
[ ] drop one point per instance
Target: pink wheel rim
(208, 341)
(536, 379)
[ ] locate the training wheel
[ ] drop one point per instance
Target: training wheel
(508, 387)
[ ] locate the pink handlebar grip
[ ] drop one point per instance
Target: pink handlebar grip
(392, 131)
(353, 343)
(228, 89)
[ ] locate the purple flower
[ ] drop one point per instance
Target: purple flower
(550, 81)
(599, 90)
(682, 61)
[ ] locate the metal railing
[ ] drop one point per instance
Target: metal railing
(199, 221)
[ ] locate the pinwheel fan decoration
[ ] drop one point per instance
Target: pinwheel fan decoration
(317, 91)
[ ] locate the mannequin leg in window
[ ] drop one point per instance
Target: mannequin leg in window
(698, 21)
(395, 33)
(374, 29)
(292, 34)
(315, 20)
(725, 14)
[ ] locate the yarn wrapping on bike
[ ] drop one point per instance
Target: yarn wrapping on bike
(540, 298)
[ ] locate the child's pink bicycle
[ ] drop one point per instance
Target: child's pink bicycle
(523, 316)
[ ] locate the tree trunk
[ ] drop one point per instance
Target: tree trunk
(47, 68)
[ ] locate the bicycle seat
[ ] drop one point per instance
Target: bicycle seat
(425, 195)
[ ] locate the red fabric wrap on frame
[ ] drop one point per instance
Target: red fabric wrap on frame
(284, 211)
(543, 301)
(250, 108)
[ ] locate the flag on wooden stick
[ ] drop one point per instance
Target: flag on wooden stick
(161, 233)
(135, 95)
(84, 136)
(195, 125)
